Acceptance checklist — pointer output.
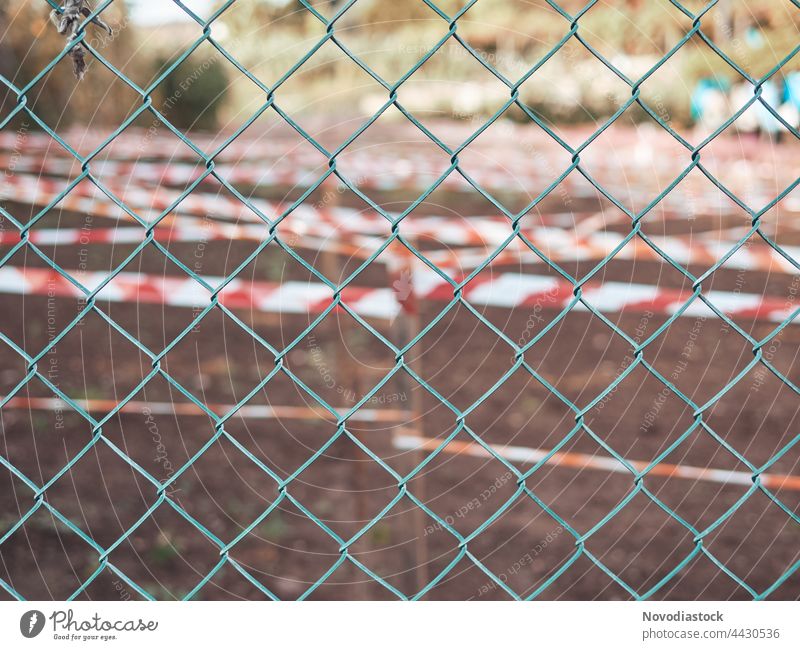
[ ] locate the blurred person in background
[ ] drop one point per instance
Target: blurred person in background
(709, 105)
(790, 109)
(747, 123)
(768, 124)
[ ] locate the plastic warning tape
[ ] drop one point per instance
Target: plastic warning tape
(86, 198)
(560, 247)
(286, 298)
(579, 461)
(562, 236)
(250, 161)
(367, 171)
(554, 244)
(506, 290)
(179, 231)
(321, 220)
(188, 409)
(364, 170)
(282, 163)
(140, 145)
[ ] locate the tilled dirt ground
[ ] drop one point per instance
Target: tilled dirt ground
(573, 526)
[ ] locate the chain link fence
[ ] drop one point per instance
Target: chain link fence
(333, 297)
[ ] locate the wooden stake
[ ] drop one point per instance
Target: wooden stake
(405, 327)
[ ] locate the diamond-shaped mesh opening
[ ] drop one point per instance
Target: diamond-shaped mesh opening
(532, 162)
(302, 93)
(452, 84)
(655, 156)
(341, 362)
(154, 554)
(248, 494)
(35, 192)
(198, 361)
(758, 522)
(97, 101)
(534, 28)
(760, 177)
(138, 161)
(347, 501)
(408, 34)
(623, 41)
(572, 100)
(631, 534)
(409, 162)
(685, 355)
(451, 301)
(535, 546)
(42, 436)
(756, 53)
(742, 413)
(108, 500)
(699, 503)
(191, 94)
(83, 363)
(281, 439)
(463, 490)
(596, 351)
(160, 429)
(46, 559)
(462, 379)
(392, 550)
(287, 552)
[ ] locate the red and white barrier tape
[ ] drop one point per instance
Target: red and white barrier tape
(363, 169)
(187, 409)
(86, 197)
(286, 298)
(305, 218)
(573, 460)
(495, 163)
(560, 247)
(390, 173)
(507, 290)
(358, 247)
(552, 231)
(555, 244)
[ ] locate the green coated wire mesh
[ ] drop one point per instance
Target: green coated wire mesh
(35, 496)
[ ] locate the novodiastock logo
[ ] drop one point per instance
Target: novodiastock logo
(31, 623)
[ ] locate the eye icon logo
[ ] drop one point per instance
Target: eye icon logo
(31, 623)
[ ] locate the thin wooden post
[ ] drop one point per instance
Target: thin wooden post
(405, 327)
(349, 379)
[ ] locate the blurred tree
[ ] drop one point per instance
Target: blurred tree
(8, 60)
(192, 95)
(244, 17)
(29, 42)
(270, 36)
(392, 36)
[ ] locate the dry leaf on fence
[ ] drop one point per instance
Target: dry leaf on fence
(68, 22)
